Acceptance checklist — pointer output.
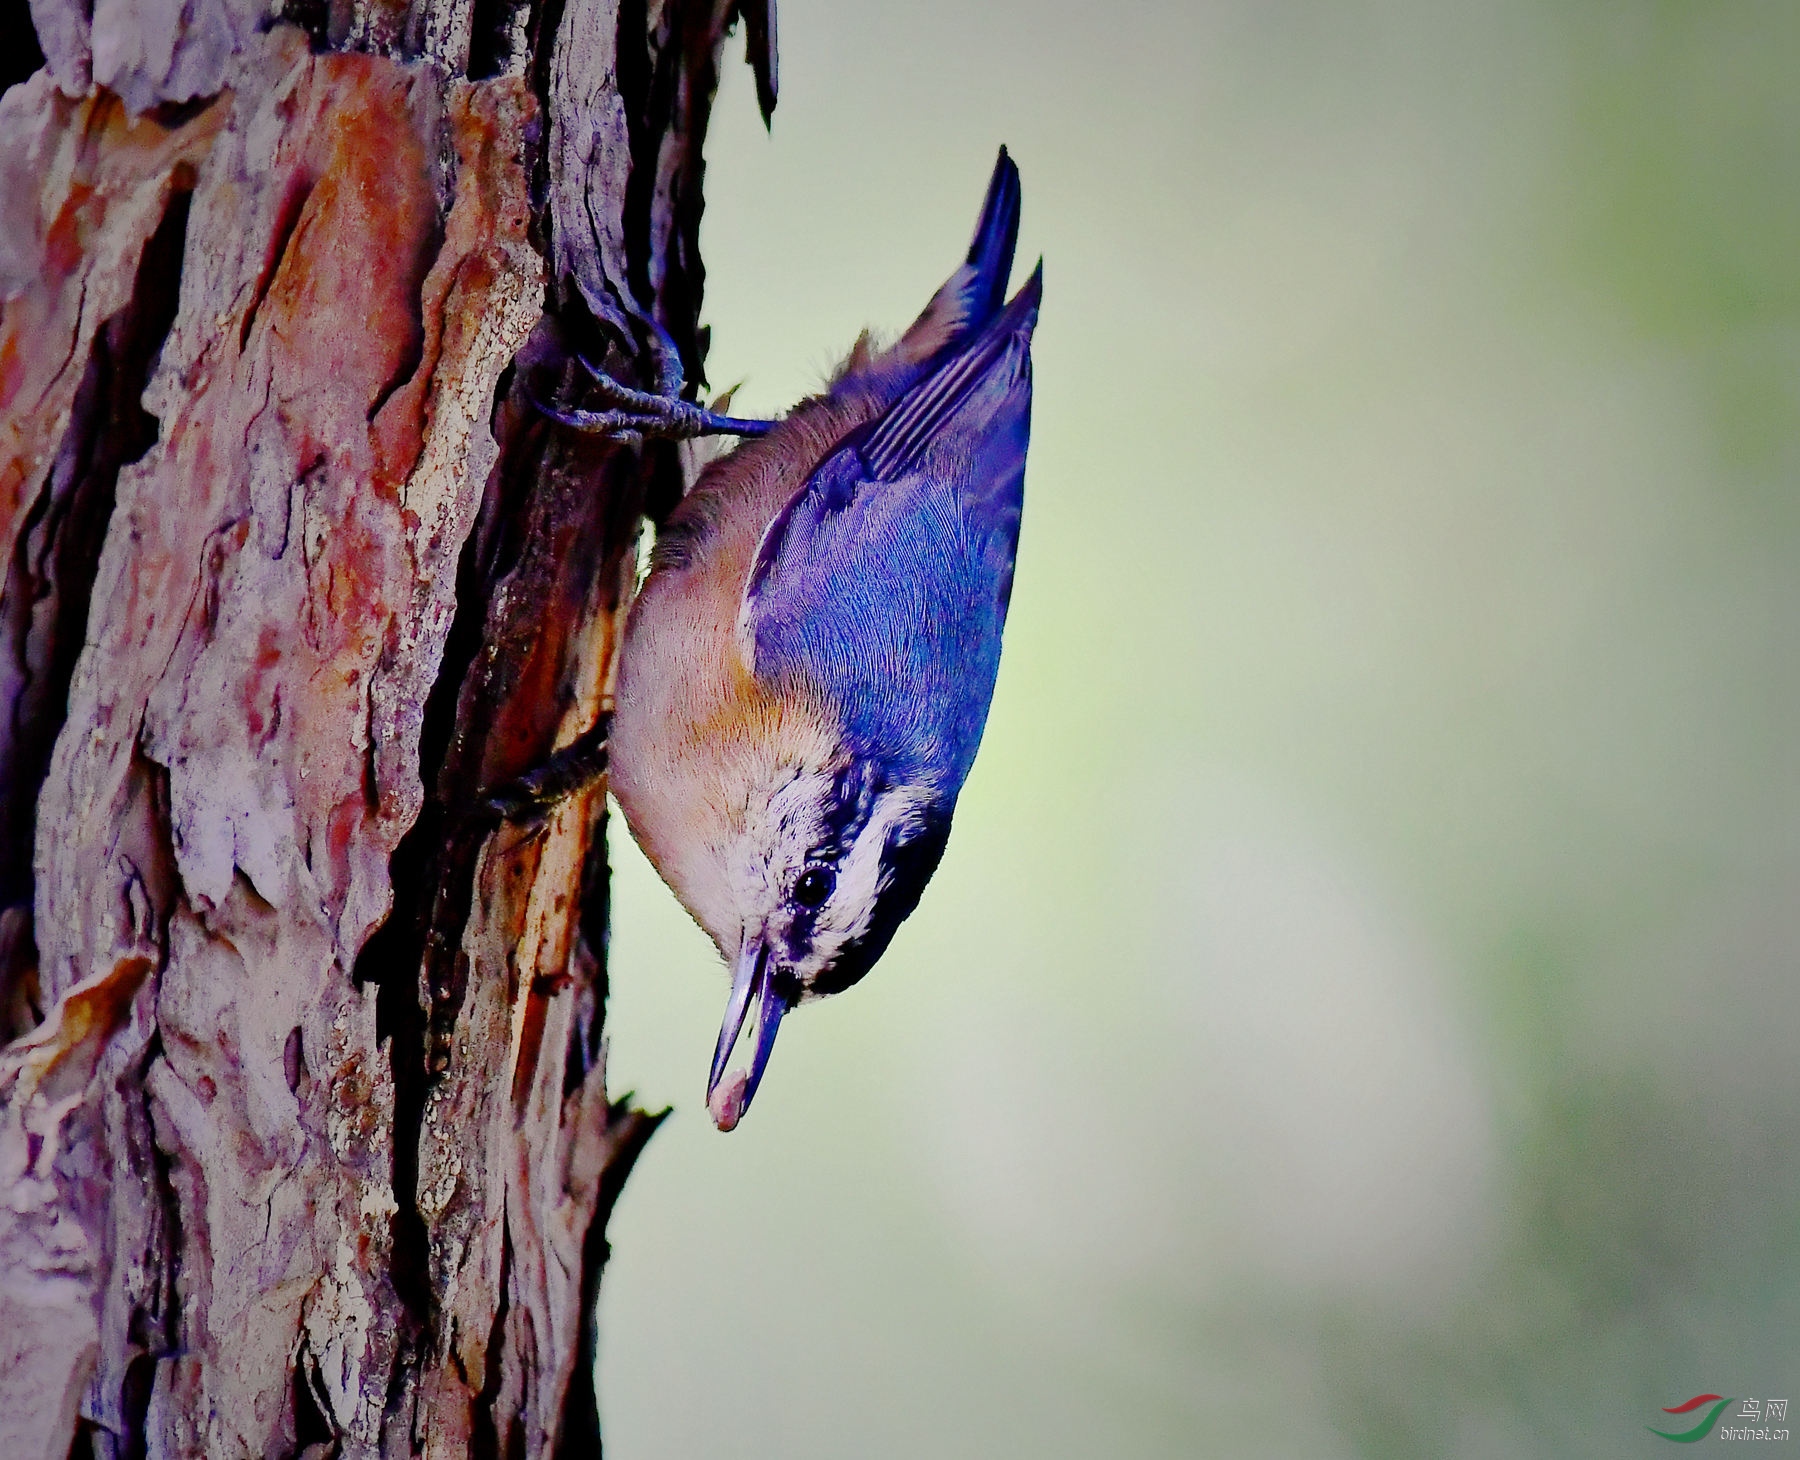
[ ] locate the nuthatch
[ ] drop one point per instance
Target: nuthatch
(808, 666)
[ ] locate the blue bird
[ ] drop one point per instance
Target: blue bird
(807, 669)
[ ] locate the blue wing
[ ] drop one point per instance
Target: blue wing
(882, 586)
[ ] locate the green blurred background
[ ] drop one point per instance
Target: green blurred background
(1357, 1015)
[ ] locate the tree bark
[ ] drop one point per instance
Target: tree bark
(305, 1146)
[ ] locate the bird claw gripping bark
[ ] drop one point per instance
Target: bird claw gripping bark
(630, 415)
(531, 796)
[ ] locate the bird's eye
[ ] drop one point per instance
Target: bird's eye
(814, 887)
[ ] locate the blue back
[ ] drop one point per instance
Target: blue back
(882, 586)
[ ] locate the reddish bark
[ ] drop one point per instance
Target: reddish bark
(311, 1150)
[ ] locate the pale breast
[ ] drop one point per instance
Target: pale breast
(695, 738)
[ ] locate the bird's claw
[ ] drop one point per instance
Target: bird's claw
(632, 415)
(532, 796)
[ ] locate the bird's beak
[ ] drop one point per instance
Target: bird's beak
(752, 981)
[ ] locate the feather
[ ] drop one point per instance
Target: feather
(972, 296)
(881, 587)
(988, 364)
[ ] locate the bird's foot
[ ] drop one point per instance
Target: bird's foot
(630, 415)
(530, 797)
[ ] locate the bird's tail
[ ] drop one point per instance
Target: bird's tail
(996, 236)
(976, 292)
(983, 379)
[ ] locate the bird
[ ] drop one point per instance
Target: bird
(806, 671)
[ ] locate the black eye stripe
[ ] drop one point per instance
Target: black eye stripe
(848, 806)
(907, 867)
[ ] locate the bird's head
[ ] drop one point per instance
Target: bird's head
(825, 864)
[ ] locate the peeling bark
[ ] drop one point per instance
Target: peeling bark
(304, 1135)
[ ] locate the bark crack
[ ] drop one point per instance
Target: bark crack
(287, 222)
(50, 579)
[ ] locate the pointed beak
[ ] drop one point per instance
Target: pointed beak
(752, 983)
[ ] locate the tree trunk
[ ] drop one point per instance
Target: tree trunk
(305, 1147)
